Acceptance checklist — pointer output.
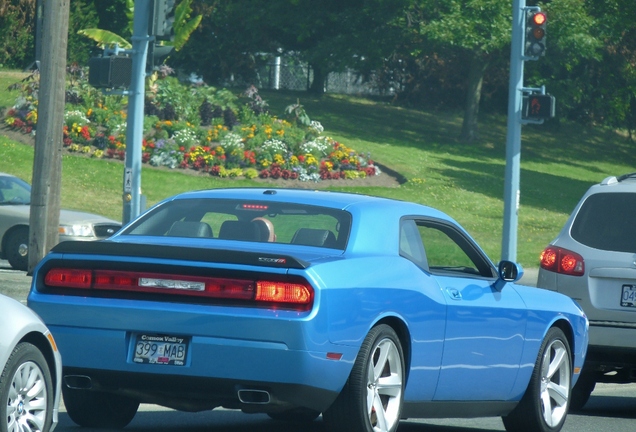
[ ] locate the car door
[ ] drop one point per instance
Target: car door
(485, 322)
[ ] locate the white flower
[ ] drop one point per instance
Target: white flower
(232, 141)
(274, 146)
(78, 116)
(185, 137)
(315, 147)
(316, 126)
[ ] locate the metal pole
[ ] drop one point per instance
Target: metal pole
(513, 139)
(135, 119)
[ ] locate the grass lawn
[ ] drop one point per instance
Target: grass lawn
(558, 163)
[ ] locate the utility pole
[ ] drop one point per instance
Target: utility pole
(47, 161)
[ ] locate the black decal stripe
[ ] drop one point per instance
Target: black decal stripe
(179, 253)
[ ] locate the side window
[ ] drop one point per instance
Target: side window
(440, 248)
(443, 252)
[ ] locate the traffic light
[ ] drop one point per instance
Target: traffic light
(113, 71)
(535, 34)
(538, 107)
(163, 15)
(157, 54)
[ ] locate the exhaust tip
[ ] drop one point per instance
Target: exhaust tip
(249, 396)
(78, 382)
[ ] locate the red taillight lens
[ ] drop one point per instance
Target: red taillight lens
(69, 278)
(296, 295)
(562, 261)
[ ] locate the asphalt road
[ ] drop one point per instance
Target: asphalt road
(612, 408)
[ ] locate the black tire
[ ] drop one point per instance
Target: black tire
(377, 376)
(582, 391)
(21, 399)
(17, 237)
(544, 406)
(99, 410)
(298, 415)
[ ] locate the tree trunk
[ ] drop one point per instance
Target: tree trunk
(478, 65)
(318, 84)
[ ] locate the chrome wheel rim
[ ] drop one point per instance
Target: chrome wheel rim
(384, 386)
(555, 383)
(27, 401)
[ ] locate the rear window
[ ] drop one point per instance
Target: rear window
(606, 221)
(252, 221)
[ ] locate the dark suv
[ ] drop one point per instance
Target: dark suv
(593, 260)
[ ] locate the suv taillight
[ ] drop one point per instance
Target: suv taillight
(562, 261)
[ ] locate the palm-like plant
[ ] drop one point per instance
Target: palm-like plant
(183, 27)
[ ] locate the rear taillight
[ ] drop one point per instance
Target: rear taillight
(297, 295)
(559, 260)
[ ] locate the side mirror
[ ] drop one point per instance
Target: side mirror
(510, 271)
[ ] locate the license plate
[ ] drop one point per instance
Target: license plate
(628, 297)
(161, 349)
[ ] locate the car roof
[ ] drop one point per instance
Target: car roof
(336, 200)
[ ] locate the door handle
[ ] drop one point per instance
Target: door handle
(454, 293)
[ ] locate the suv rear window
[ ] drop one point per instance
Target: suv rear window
(606, 221)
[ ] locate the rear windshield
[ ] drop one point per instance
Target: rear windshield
(252, 221)
(606, 221)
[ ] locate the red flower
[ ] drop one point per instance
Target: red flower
(264, 174)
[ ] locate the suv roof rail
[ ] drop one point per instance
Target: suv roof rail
(613, 179)
(627, 177)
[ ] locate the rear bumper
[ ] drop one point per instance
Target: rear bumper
(611, 353)
(187, 393)
(215, 370)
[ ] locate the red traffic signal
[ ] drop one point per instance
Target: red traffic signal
(535, 34)
(538, 107)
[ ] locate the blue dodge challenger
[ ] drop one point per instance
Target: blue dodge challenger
(300, 303)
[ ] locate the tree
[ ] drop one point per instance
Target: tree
(330, 35)
(480, 29)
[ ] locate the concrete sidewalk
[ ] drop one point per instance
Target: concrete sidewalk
(529, 277)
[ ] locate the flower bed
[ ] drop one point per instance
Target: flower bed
(200, 128)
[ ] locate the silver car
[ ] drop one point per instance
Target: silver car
(593, 260)
(15, 200)
(31, 370)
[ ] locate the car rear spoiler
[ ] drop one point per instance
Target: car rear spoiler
(179, 253)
